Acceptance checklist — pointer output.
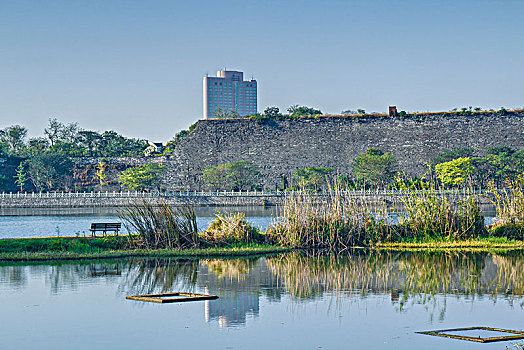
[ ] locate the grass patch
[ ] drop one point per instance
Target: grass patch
(67, 248)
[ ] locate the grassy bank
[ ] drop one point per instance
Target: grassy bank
(480, 243)
(66, 248)
(113, 247)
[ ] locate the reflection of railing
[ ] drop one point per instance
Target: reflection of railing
(171, 194)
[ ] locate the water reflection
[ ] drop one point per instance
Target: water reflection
(407, 279)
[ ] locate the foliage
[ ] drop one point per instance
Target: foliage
(231, 229)
(141, 178)
(160, 225)
(233, 176)
(225, 113)
(311, 178)
(454, 172)
(13, 137)
(179, 136)
(101, 174)
(446, 156)
(509, 205)
(427, 213)
(301, 111)
(21, 176)
(272, 113)
(335, 222)
(50, 171)
(375, 168)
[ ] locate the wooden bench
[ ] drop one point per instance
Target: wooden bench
(105, 227)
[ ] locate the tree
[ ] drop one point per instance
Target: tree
(300, 111)
(375, 168)
(272, 113)
(141, 178)
(101, 174)
(454, 172)
(348, 112)
(446, 156)
(361, 111)
(311, 178)
(21, 176)
(14, 138)
(50, 171)
(233, 176)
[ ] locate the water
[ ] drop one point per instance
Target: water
(21, 223)
(359, 300)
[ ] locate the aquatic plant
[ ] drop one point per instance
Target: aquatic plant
(231, 229)
(336, 220)
(160, 225)
(509, 205)
(435, 213)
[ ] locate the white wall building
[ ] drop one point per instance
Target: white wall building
(228, 92)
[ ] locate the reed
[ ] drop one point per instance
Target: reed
(342, 220)
(434, 213)
(338, 221)
(509, 205)
(160, 225)
(231, 229)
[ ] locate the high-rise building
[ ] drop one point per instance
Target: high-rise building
(227, 93)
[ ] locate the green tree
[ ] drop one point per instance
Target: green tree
(50, 171)
(375, 168)
(235, 176)
(14, 139)
(455, 172)
(141, 178)
(272, 113)
(301, 111)
(21, 176)
(446, 156)
(311, 178)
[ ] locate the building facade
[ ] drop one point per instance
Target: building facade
(228, 93)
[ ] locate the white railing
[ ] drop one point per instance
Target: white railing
(174, 194)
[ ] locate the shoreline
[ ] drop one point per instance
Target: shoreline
(55, 248)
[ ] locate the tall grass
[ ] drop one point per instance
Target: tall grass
(509, 205)
(338, 221)
(161, 225)
(342, 220)
(432, 213)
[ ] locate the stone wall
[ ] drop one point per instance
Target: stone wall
(279, 148)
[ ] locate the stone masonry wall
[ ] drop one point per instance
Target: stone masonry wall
(281, 147)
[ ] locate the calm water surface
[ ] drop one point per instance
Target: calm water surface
(357, 300)
(19, 223)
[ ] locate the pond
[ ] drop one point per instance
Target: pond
(355, 300)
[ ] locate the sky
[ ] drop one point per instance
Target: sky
(137, 66)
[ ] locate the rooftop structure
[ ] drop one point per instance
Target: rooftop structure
(228, 94)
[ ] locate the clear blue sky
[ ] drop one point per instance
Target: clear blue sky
(137, 66)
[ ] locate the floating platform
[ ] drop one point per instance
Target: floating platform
(177, 297)
(445, 333)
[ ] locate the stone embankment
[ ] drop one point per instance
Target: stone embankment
(203, 198)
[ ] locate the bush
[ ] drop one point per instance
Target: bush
(231, 229)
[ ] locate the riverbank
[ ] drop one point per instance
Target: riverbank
(113, 247)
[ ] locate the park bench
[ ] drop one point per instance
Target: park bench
(105, 227)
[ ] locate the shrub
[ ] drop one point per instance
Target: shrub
(231, 229)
